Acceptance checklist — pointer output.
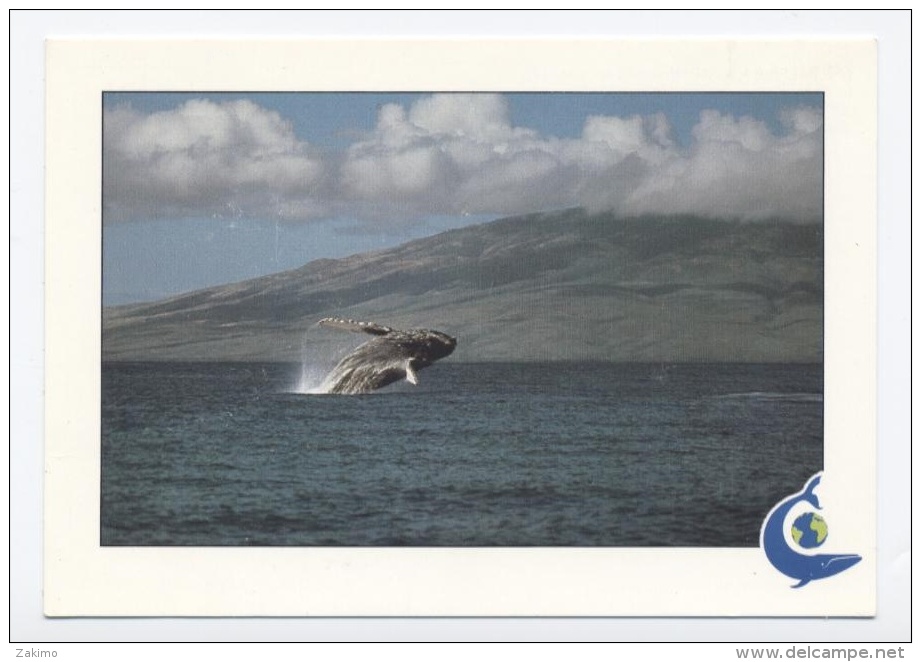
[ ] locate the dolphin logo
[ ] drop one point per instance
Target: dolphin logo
(803, 567)
(390, 356)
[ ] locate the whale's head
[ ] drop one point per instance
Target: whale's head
(438, 345)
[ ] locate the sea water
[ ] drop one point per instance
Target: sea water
(550, 454)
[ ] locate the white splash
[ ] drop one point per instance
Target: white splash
(312, 379)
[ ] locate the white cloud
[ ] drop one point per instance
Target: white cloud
(205, 158)
(482, 117)
(736, 167)
(628, 135)
(459, 153)
(451, 154)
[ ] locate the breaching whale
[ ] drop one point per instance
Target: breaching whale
(390, 356)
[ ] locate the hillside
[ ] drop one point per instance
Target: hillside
(554, 286)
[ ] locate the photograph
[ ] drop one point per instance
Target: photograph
(460, 319)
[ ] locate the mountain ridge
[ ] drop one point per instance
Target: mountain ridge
(566, 285)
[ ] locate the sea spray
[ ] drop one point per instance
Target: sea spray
(316, 363)
(320, 353)
(312, 380)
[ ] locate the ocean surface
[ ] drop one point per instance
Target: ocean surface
(212, 454)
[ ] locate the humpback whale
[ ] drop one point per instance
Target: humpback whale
(391, 355)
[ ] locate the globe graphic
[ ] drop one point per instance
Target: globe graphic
(809, 530)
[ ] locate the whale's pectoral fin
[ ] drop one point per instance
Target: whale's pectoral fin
(411, 375)
(802, 582)
(355, 327)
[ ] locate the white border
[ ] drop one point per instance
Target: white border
(81, 579)
(639, 630)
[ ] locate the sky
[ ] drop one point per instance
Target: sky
(204, 189)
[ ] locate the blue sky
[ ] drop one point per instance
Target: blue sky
(333, 119)
(203, 189)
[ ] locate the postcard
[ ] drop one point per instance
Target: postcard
(460, 328)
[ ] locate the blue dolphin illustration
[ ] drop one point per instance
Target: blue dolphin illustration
(804, 567)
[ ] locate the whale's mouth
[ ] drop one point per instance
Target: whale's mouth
(444, 345)
(444, 338)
